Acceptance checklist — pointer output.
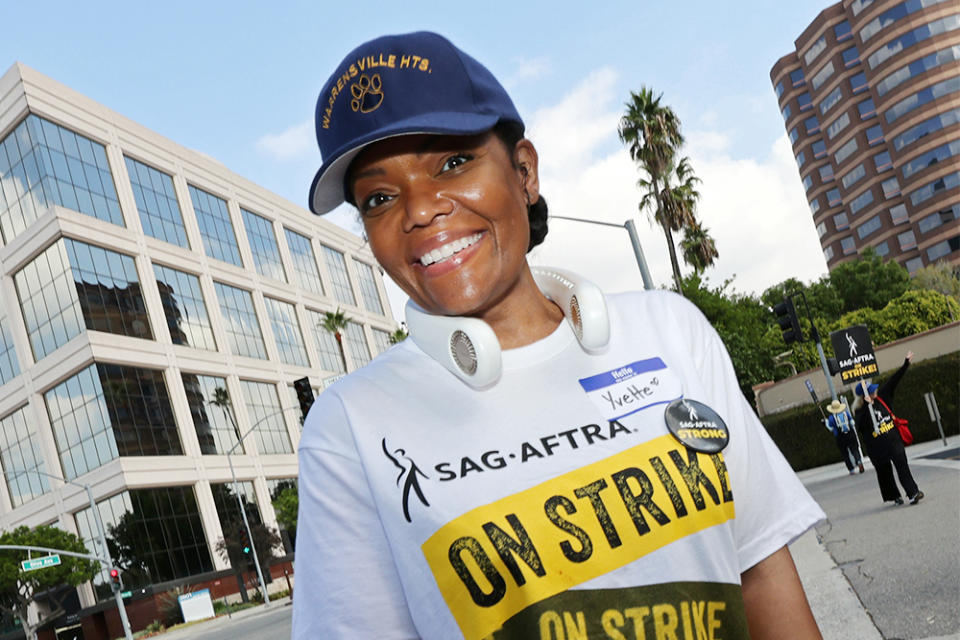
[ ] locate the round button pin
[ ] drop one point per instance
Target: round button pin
(696, 425)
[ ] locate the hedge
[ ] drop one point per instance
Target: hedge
(806, 443)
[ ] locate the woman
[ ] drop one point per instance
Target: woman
(507, 472)
(881, 439)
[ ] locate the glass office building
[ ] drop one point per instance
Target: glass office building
(871, 103)
(138, 278)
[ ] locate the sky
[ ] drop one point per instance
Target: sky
(238, 81)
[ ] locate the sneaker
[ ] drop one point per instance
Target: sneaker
(851, 472)
(917, 498)
(898, 501)
(860, 466)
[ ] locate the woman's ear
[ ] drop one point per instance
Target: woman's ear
(526, 160)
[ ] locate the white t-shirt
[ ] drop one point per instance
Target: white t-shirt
(553, 505)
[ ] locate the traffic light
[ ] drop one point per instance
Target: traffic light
(833, 366)
(244, 542)
(304, 395)
(115, 579)
(787, 319)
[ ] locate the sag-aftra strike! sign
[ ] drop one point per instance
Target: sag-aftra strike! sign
(854, 352)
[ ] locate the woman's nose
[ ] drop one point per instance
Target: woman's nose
(424, 202)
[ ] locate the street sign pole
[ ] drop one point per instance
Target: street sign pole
(934, 411)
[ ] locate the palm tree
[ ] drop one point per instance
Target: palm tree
(651, 132)
(336, 322)
(399, 334)
(698, 248)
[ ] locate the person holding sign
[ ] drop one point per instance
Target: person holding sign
(881, 439)
(841, 425)
(537, 459)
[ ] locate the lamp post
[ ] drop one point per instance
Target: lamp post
(223, 401)
(634, 241)
(121, 609)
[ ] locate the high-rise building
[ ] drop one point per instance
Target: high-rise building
(139, 281)
(871, 103)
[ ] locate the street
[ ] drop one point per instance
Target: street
(903, 562)
(273, 623)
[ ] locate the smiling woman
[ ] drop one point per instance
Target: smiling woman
(538, 460)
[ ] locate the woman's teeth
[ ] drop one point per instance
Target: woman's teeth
(442, 253)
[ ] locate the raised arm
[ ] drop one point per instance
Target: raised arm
(890, 386)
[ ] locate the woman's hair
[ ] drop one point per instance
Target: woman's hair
(857, 403)
(510, 134)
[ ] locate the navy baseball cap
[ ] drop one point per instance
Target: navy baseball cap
(870, 389)
(397, 85)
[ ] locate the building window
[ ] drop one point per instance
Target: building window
(821, 76)
(785, 112)
(381, 340)
(216, 229)
(917, 67)
(935, 220)
(832, 98)
(841, 31)
(794, 134)
(21, 455)
(909, 39)
(882, 161)
(796, 77)
(826, 173)
(931, 189)
(913, 264)
(159, 533)
(931, 158)
(357, 344)
(850, 57)
(922, 97)
(304, 262)
(866, 109)
(264, 412)
(9, 366)
(943, 249)
(801, 158)
(157, 204)
(838, 125)
(861, 201)
(804, 101)
(811, 124)
(815, 205)
(925, 128)
(868, 227)
(874, 135)
(844, 152)
(216, 430)
(853, 176)
(778, 89)
(43, 164)
(240, 321)
(822, 229)
(858, 83)
(882, 249)
(815, 50)
(833, 197)
(898, 214)
(108, 289)
(828, 253)
(225, 499)
(184, 308)
(368, 288)
(847, 246)
(890, 188)
(48, 300)
(890, 16)
(263, 246)
(840, 221)
(907, 240)
(108, 410)
(337, 265)
(859, 5)
(286, 332)
(807, 183)
(329, 350)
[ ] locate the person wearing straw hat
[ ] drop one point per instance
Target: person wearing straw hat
(538, 459)
(881, 439)
(841, 425)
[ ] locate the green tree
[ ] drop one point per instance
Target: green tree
(265, 539)
(698, 248)
(286, 505)
(651, 132)
(336, 323)
(868, 281)
(399, 335)
(912, 312)
(19, 589)
(939, 276)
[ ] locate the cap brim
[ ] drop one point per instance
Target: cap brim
(326, 190)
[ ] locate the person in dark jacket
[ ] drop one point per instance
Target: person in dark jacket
(881, 439)
(841, 425)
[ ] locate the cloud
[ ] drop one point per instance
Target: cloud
(527, 69)
(295, 142)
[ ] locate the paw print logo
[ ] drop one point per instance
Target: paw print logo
(366, 93)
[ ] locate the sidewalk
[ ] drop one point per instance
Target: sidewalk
(835, 604)
(213, 623)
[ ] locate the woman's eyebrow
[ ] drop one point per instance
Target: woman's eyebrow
(367, 173)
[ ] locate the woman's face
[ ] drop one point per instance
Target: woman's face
(446, 217)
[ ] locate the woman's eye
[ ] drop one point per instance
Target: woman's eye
(373, 201)
(456, 160)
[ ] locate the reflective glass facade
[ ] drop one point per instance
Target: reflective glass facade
(263, 245)
(357, 345)
(240, 321)
(184, 308)
(215, 425)
(304, 262)
(266, 417)
(216, 229)
(381, 340)
(326, 343)
(286, 332)
(43, 164)
(157, 204)
(337, 266)
(9, 366)
(48, 300)
(368, 288)
(20, 456)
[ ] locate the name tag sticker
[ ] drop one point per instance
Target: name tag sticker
(696, 425)
(632, 388)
